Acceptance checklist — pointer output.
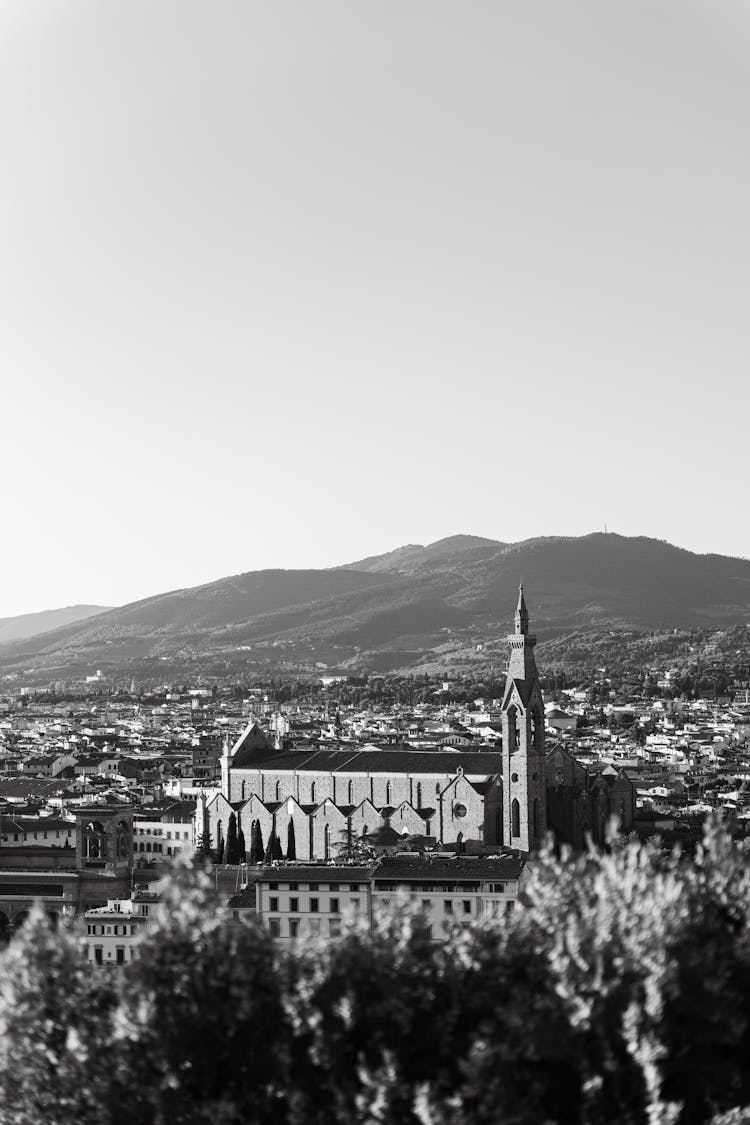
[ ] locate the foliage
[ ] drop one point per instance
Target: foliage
(618, 992)
(256, 843)
(291, 843)
(232, 852)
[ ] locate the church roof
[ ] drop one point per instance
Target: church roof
(378, 761)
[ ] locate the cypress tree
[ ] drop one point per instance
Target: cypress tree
(220, 851)
(277, 852)
(256, 843)
(230, 853)
(241, 846)
(271, 848)
(291, 846)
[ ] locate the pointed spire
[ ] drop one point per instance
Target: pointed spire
(522, 614)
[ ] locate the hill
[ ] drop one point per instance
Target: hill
(31, 624)
(428, 606)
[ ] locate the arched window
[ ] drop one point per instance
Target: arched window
(278, 790)
(312, 792)
(94, 843)
(350, 793)
(242, 795)
(364, 831)
(514, 738)
(387, 792)
(219, 834)
(419, 794)
(460, 842)
(535, 818)
(515, 818)
(327, 842)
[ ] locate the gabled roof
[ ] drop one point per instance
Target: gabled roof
(251, 746)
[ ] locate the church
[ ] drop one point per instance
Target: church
(315, 800)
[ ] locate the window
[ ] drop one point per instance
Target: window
(354, 887)
(294, 886)
(334, 927)
(274, 926)
(467, 906)
(419, 794)
(313, 906)
(278, 790)
(273, 886)
(387, 792)
(98, 957)
(293, 905)
(459, 810)
(120, 958)
(428, 828)
(273, 904)
(350, 793)
(497, 888)
(327, 841)
(515, 818)
(293, 927)
(509, 907)
(426, 904)
(355, 905)
(334, 906)
(448, 905)
(315, 925)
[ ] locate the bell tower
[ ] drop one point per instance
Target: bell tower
(524, 792)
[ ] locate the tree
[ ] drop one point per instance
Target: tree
(291, 847)
(256, 843)
(220, 851)
(241, 848)
(273, 851)
(232, 852)
(203, 845)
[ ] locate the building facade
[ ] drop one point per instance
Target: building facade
(300, 902)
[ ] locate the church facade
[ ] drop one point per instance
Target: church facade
(332, 796)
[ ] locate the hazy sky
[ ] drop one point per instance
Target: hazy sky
(290, 283)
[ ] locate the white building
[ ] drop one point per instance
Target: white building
(300, 901)
(113, 930)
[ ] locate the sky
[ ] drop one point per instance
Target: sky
(286, 284)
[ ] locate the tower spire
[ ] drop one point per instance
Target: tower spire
(522, 613)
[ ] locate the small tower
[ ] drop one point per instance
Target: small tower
(524, 792)
(225, 765)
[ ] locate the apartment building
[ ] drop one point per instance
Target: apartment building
(299, 901)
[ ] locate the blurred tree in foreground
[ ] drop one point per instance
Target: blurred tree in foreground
(619, 992)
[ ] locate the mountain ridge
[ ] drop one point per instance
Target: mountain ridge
(23, 625)
(415, 605)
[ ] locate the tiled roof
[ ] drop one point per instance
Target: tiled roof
(387, 761)
(395, 868)
(315, 873)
